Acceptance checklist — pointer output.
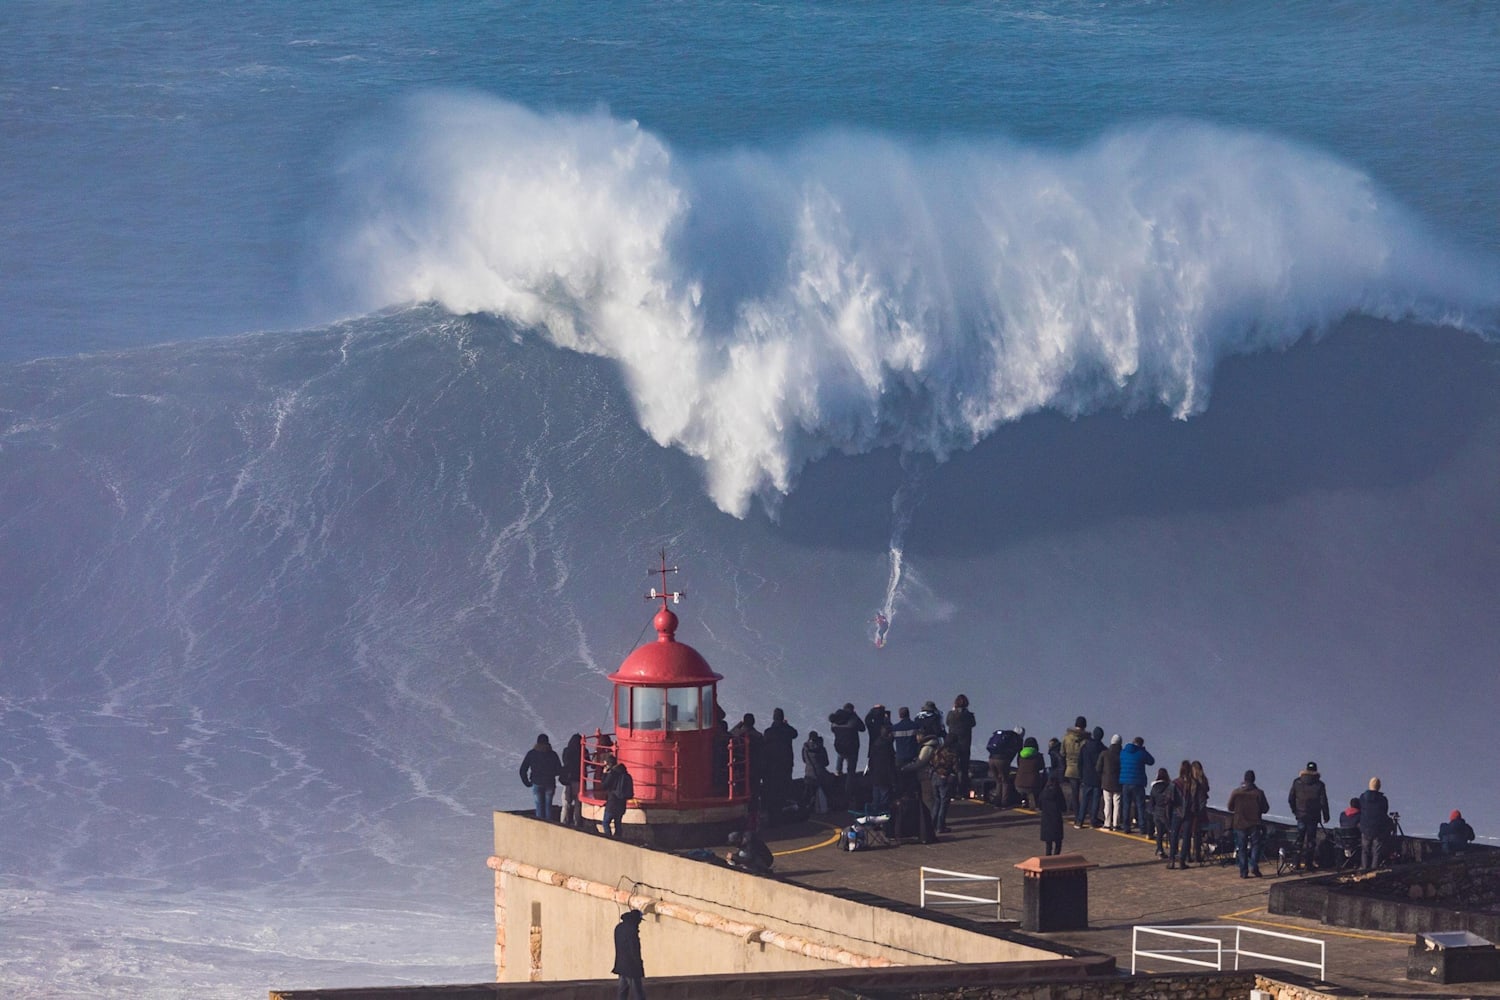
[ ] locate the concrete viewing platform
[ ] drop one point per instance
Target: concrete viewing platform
(1130, 887)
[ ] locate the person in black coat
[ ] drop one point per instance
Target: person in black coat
(628, 964)
(540, 769)
(572, 778)
(882, 770)
(1052, 803)
(1374, 825)
(1308, 800)
(847, 725)
(779, 741)
(1456, 834)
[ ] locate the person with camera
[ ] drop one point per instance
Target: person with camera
(1374, 826)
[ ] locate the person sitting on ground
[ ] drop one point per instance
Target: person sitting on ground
(1349, 818)
(1456, 834)
(750, 853)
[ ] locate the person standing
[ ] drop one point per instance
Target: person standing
(1166, 813)
(1180, 847)
(1003, 745)
(1134, 759)
(1052, 803)
(572, 778)
(749, 753)
(904, 733)
(540, 769)
(628, 964)
(1308, 800)
(1200, 818)
(1089, 792)
(917, 786)
(619, 789)
(847, 725)
(1374, 825)
(1072, 748)
(778, 740)
(815, 777)
(877, 716)
(1247, 804)
(1109, 782)
(961, 722)
(881, 772)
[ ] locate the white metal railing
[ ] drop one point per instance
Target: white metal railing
(1216, 946)
(941, 897)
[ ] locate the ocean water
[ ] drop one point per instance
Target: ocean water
(1136, 360)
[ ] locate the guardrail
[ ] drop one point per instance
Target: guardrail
(941, 897)
(1218, 947)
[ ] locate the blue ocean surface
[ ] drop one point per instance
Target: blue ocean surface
(1135, 360)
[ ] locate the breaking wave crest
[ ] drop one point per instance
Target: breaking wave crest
(857, 291)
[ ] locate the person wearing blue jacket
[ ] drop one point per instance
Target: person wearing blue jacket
(1134, 759)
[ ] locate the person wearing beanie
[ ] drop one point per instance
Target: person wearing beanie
(1109, 782)
(1089, 793)
(1456, 834)
(1308, 800)
(1374, 826)
(540, 769)
(1031, 772)
(1247, 804)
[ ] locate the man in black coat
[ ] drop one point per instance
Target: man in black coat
(1374, 825)
(779, 741)
(540, 769)
(847, 725)
(1308, 800)
(628, 965)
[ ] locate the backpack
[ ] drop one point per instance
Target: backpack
(1003, 744)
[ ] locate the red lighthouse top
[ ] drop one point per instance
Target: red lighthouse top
(665, 661)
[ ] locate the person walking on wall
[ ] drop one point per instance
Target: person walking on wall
(540, 769)
(628, 964)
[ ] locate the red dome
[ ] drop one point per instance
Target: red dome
(665, 661)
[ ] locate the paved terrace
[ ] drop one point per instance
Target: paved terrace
(1130, 887)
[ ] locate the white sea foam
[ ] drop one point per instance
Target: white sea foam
(855, 291)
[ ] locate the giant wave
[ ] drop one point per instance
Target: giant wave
(853, 291)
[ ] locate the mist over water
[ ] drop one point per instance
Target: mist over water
(853, 292)
(1134, 361)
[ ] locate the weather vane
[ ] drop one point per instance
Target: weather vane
(664, 595)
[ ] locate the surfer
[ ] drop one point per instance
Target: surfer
(882, 625)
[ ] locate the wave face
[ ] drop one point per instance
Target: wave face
(854, 292)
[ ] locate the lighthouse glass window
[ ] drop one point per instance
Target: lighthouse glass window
(682, 708)
(646, 708)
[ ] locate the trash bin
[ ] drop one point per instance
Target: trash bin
(1056, 896)
(1453, 957)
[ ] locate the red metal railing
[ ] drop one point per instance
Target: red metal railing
(658, 782)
